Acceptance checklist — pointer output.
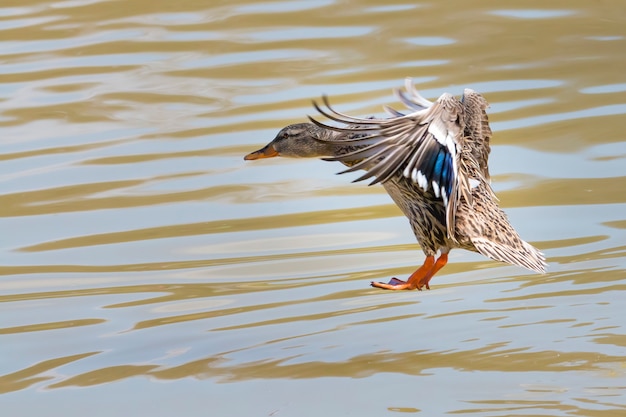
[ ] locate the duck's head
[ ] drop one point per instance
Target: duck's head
(301, 140)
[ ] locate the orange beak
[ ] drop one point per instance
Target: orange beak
(266, 152)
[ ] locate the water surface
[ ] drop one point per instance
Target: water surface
(147, 270)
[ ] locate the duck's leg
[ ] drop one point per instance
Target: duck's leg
(419, 278)
(441, 262)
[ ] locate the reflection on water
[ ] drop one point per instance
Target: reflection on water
(139, 248)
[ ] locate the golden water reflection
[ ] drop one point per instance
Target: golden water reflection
(138, 247)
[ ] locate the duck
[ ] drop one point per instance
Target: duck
(432, 160)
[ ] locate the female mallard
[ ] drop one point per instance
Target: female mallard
(433, 164)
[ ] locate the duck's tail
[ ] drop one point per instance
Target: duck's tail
(524, 254)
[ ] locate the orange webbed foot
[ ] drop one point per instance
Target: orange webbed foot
(419, 278)
(394, 284)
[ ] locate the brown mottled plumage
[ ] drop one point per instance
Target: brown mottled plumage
(433, 164)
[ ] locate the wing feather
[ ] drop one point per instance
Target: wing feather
(414, 100)
(477, 128)
(422, 146)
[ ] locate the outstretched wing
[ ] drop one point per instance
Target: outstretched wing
(477, 130)
(422, 146)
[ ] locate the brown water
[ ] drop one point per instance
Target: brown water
(147, 270)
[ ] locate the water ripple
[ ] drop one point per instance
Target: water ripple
(138, 247)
